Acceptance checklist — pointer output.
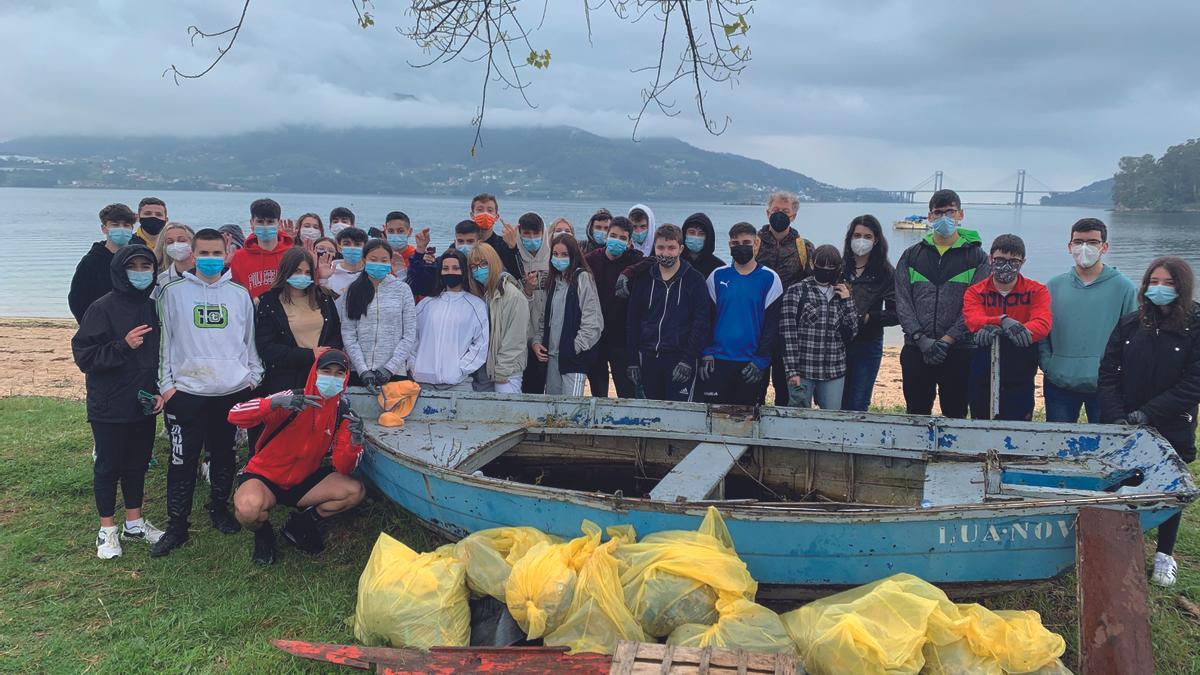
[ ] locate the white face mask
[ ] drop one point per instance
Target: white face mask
(179, 250)
(862, 246)
(337, 227)
(310, 233)
(1085, 255)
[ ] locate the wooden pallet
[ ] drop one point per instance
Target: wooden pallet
(640, 658)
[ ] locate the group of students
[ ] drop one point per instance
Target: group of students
(264, 332)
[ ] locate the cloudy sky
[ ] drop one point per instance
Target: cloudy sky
(852, 92)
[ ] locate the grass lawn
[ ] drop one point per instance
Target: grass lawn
(207, 608)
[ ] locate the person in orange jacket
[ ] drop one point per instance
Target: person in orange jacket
(1015, 310)
(301, 426)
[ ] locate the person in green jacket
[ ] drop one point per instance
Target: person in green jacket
(1086, 302)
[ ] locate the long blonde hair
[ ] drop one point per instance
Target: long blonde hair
(160, 246)
(486, 254)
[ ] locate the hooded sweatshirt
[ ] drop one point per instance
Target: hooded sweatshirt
(705, 262)
(1084, 317)
(615, 309)
(341, 278)
(207, 337)
(508, 312)
(671, 317)
(255, 267)
(452, 338)
(92, 279)
(384, 336)
(292, 445)
(646, 247)
(930, 287)
(536, 262)
(114, 371)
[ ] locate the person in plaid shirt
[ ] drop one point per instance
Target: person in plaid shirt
(817, 320)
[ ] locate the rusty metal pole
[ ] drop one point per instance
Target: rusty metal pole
(1114, 617)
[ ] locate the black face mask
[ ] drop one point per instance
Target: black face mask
(742, 253)
(780, 221)
(452, 280)
(825, 275)
(151, 224)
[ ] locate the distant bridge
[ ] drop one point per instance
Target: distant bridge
(934, 183)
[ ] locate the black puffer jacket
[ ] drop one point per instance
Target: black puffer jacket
(874, 294)
(91, 280)
(114, 371)
(703, 262)
(1156, 371)
(287, 365)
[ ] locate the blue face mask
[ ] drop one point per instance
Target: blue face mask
(560, 264)
(615, 247)
(531, 245)
(639, 236)
(378, 270)
(210, 266)
(1161, 295)
(119, 235)
(266, 232)
(944, 226)
(299, 281)
(693, 243)
(352, 254)
(140, 280)
(329, 386)
(398, 241)
(481, 274)
(599, 237)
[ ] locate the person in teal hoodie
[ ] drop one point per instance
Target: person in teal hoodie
(1086, 302)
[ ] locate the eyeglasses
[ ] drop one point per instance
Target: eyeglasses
(1086, 242)
(1007, 262)
(947, 211)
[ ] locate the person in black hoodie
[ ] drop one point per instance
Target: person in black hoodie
(93, 277)
(1150, 375)
(699, 240)
(872, 282)
(116, 347)
(607, 263)
(669, 321)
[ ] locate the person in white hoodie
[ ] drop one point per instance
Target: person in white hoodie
(644, 227)
(452, 329)
(351, 243)
(207, 364)
(379, 326)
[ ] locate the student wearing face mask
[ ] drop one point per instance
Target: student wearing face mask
(872, 282)
(255, 265)
(340, 218)
(152, 217)
(408, 247)
(351, 243)
(817, 320)
(116, 347)
(93, 278)
(644, 226)
(782, 250)
(534, 250)
(309, 229)
(1011, 308)
(931, 277)
(1150, 376)
(508, 316)
(452, 329)
(606, 265)
(699, 241)
(485, 212)
(565, 320)
(174, 253)
(1087, 301)
(596, 232)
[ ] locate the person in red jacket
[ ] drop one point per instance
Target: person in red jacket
(286, 468)
(255, 264)
(1015, 310)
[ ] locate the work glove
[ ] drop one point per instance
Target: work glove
(622, 290)
(752, 373)
(295, 402)
(357, 429)
(683, 373)
(984, 337)
(708, 364)
(384, 375)
(370, 380)
(1137, 418)
(634, 373)
(1016, 331)
(933, 351)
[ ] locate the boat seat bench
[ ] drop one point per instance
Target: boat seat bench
(700, 475)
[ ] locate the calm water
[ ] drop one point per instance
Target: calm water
(50, 229)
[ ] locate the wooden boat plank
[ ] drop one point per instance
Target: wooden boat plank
(700, 474)
(950, 483)
(447, 444)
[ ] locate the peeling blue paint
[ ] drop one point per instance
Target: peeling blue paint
(947, 441)
(1080, 445)
(1008, 444)
(630, 421)
(430, 410)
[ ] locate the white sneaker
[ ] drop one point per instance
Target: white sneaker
(93, 453)
(148, 533)
(1165, 570)
(202, 471)
(108, 544)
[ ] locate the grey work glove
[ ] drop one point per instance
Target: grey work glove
(707, 365)
(683, 373)
(933, 351)
(984, 337)
(622, 290)
(634, 373)
(370, 380)
(357, 429)
(1016, 331)
(294, 402)
(384, 375)
(752, 373)
(1137, 418)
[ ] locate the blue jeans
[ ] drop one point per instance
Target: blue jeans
(862, 367)
(828, 393)
(1062, 405)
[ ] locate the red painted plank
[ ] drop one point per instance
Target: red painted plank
(1114, 619)
(533, 660)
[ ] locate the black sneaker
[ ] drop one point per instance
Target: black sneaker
(264, 546)
(300, 531)
(223, 520)
(171, 540)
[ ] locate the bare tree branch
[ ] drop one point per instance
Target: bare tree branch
(194, 32)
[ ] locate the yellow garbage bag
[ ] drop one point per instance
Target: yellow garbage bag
(674, 578)
(410, 599)
(489, 556)
(743, 625)
(541, 587)
(1017, 640)
(598, 618)
(957, 658)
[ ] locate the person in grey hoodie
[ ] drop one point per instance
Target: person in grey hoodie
(1087, 301)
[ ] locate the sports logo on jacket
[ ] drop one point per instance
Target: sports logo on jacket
(210, 316)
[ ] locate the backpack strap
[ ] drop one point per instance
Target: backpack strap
(264, 440)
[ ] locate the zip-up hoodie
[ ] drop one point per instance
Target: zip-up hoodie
(930, 287)
(508, 312)
(207, 337)
(296, 445)
(646, 247)
(704, 261)
(670, 317)
(615, 309)
(1084, 318)
(113, 370)
(255, 268)
(92, 279)
(452, 338)
(385, 335)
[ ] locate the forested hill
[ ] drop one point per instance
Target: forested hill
(558, 162)
(1098, 194)
(1169, 183)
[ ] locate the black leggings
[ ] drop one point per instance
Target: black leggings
(122, 454)
(1168, 532)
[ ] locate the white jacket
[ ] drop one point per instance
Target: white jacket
(341, 279)
(646, 247)
(207, 337)
(384, 336)
(452, 338)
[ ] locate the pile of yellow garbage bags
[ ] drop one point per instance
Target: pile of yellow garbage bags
(689, 588)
